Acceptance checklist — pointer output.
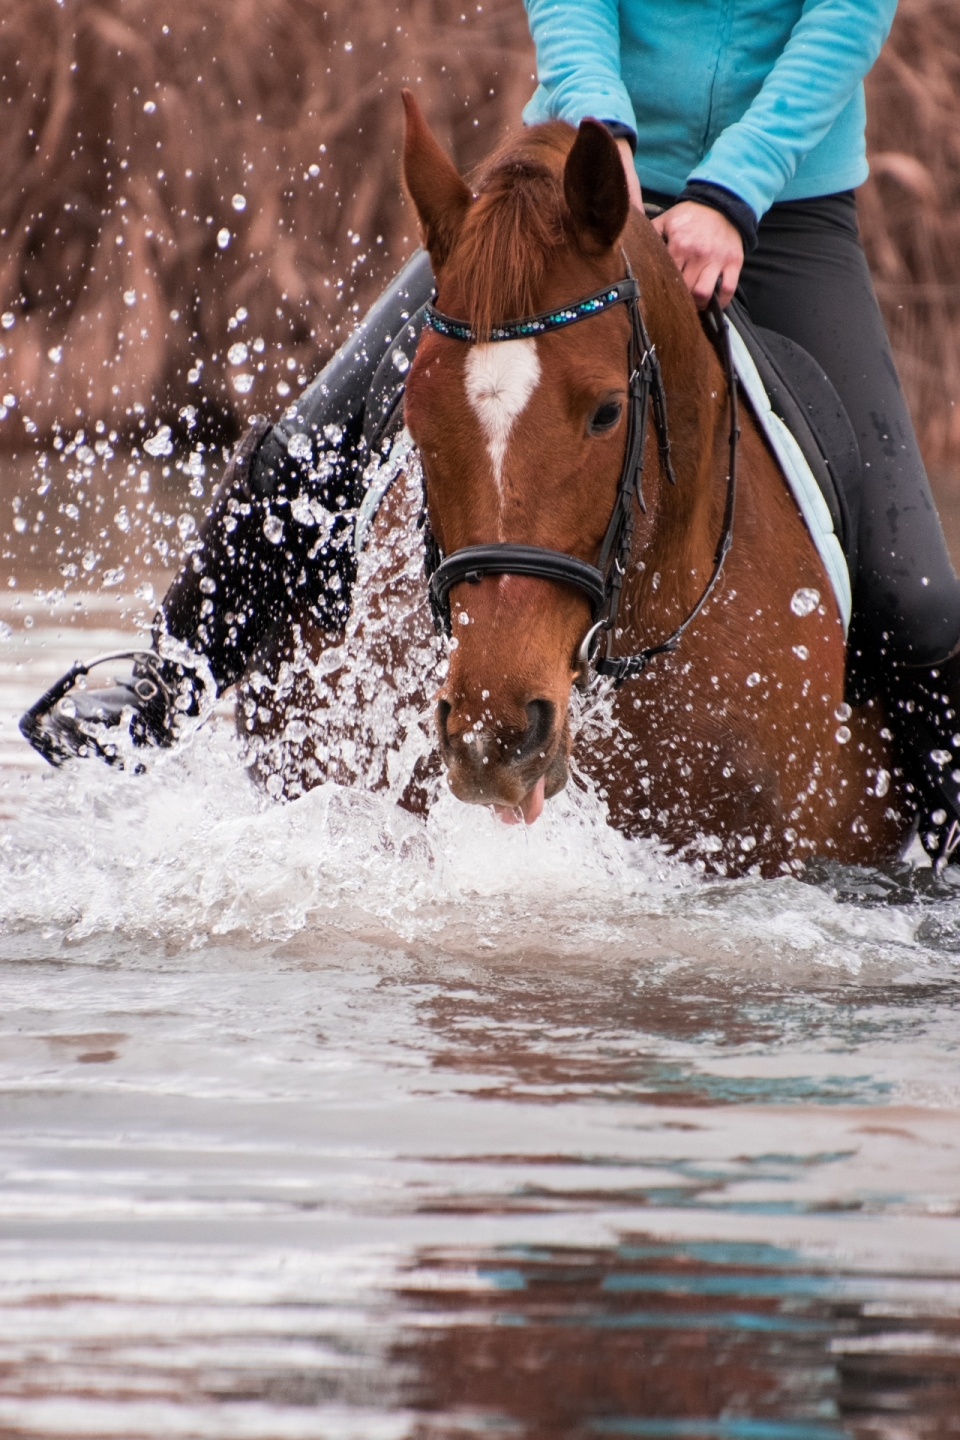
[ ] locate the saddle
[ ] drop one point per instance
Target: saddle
(803, 397)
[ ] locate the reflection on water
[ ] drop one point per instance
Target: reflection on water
(318, 1120)
(644, 1338)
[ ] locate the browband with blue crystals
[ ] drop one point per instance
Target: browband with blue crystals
(620, 293)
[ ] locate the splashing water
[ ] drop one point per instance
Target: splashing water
(324, 1118)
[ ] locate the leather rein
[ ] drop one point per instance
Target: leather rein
(601, 583)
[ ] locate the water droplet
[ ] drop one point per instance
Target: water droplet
(842, 712)
(149, 106)
(223, 240)
(299, 447)
(747, 843)
(243, 383)
(159, 444)
(8, 320)
(145, 591)
(801, 652)
(239, 202)
(89, 560)
(939, 817)
(400, 362)
(237, 353)
(753, 679)
(273, 529)
(55, 353)
(842, 735)
(67, 707)
(186, 525)
(941, 757)
(129, 297)
(883, 783)
(804, 601)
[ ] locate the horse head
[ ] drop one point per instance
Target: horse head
(522, 440)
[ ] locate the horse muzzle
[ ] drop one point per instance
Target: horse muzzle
(512, 768)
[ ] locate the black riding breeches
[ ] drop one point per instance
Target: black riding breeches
(808, 279)
(277, 542)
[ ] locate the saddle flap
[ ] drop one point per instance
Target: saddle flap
(804, 398)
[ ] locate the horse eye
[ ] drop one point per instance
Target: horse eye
(605, 417)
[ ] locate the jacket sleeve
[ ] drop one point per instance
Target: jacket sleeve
(832, 46)
(578, 62)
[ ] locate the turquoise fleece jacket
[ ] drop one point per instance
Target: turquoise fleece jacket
(763, 97)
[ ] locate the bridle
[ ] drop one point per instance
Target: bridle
(603, 582)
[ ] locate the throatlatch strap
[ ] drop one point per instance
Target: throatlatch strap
(628, 667)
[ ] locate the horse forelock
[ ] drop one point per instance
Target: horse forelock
(513, 227)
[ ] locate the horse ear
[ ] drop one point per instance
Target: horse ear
(595, 188)
(440, 196)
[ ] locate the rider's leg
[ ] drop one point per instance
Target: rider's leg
(808, 279)
(276, 540)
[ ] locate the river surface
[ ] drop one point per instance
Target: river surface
(322, 1120)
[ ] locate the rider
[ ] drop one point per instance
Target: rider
(745, 125)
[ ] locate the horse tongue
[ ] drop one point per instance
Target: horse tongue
(530, 807)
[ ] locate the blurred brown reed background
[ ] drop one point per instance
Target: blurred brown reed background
(910, 211)
(129, 128)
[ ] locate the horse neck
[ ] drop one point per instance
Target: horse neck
(686, 517)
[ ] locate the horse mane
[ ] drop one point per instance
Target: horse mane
(515, 223)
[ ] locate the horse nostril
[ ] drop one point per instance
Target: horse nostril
(540, 718)
(443, 715)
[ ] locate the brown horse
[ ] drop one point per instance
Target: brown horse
(737, 748)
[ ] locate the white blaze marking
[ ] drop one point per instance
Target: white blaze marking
(501, 377)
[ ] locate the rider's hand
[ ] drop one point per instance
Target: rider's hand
(705, 247)
(633, 184)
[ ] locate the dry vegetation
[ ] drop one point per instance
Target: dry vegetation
(130, 126)
(910, 211)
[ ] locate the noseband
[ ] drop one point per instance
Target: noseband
(601, 583)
